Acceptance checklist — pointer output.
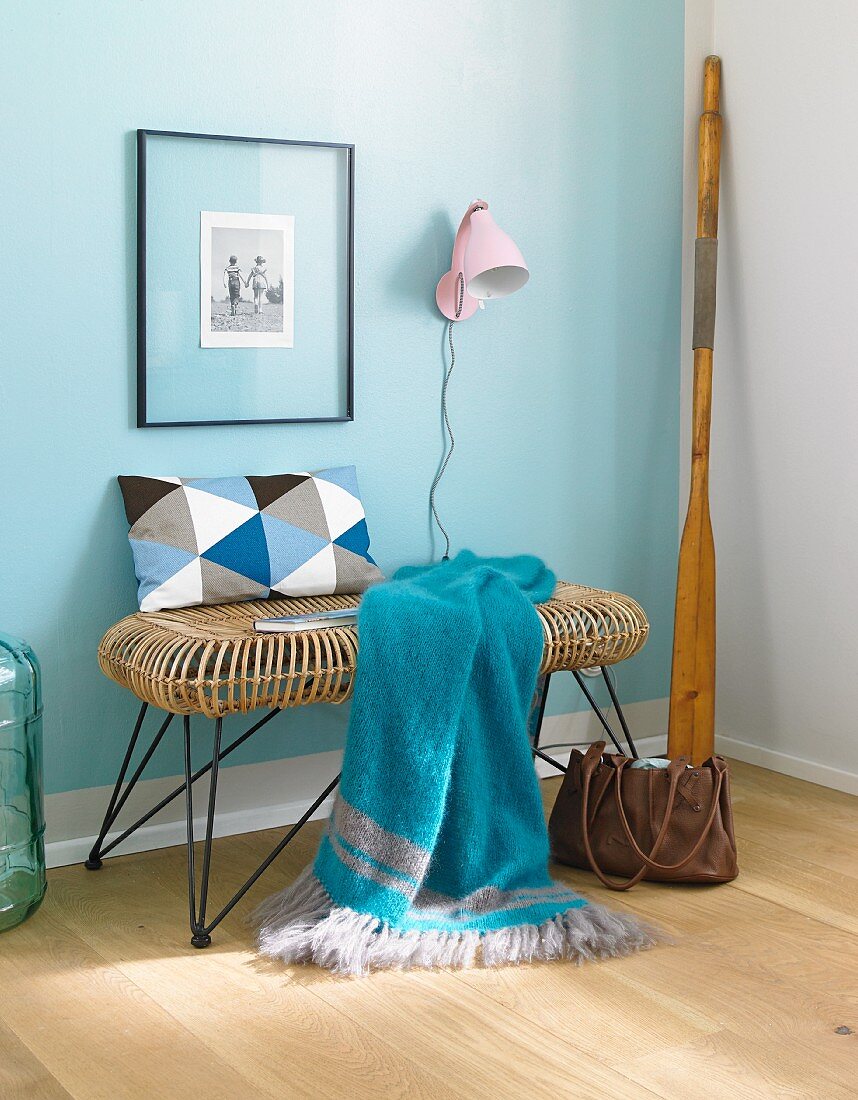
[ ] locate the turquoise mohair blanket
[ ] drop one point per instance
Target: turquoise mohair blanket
(436, 853)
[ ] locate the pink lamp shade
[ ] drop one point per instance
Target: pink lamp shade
(494, 267)
(486, 264)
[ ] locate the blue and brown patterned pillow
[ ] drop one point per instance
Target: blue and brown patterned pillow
(199, 540)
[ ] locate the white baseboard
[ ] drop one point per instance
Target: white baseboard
(278, 792)
(796, 766)
(249, 797)
(656, 745)
(270, 794)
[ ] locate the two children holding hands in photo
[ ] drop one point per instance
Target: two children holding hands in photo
(232, 279)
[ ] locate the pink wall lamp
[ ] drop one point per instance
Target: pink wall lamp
(486, 264)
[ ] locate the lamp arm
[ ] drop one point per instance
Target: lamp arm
(463, 235)
(447, 293)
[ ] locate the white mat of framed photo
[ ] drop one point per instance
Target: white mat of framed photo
(256, 254)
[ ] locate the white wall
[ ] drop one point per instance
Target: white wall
(785, 417)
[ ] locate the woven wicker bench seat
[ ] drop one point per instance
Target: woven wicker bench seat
(209, 660)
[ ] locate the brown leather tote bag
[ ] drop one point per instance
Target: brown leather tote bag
(671, 824)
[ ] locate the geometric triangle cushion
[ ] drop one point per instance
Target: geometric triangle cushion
(225, 539)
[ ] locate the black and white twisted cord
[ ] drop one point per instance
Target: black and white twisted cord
(448, 451)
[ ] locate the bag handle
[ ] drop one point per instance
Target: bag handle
(589, 763)
(594, 755)
(648, 860)
(676, 769)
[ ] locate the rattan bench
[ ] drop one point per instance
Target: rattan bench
(209, 661)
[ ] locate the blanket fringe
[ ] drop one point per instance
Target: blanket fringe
(301, 925)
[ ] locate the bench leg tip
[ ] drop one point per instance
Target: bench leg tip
(200, 939)
(94, 864)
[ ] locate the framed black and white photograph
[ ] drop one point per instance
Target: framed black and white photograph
(245, 287)
(246, 280)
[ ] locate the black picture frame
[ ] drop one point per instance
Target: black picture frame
(142, 418)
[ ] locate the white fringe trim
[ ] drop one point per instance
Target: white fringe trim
(301, 925)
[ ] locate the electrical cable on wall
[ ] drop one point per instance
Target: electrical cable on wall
(448, 450)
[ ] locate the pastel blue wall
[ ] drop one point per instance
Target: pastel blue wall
(565, 114)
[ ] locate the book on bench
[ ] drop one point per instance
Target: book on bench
(313, 620)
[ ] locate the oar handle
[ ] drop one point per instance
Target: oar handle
(712, 83)
(709, 160)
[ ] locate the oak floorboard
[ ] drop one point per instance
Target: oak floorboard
(796, 884)
(287, 1041)
(91, 1027)
(424, 1015)
(101, 995)
(729, 1066)
(22, 1075)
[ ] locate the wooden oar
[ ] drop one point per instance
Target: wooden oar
(691, 729)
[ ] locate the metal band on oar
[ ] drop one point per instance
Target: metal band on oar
(705, 273)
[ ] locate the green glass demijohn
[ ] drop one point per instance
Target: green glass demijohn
(22, 822)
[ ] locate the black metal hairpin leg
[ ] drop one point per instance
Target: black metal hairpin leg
(94, 861)
(200, 931)
(537, 713)
(538, 716)
(597, 710)
(117, 800)
(550, 760)
(619, 710)
(199, 935)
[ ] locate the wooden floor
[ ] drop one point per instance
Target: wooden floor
(101, 995)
